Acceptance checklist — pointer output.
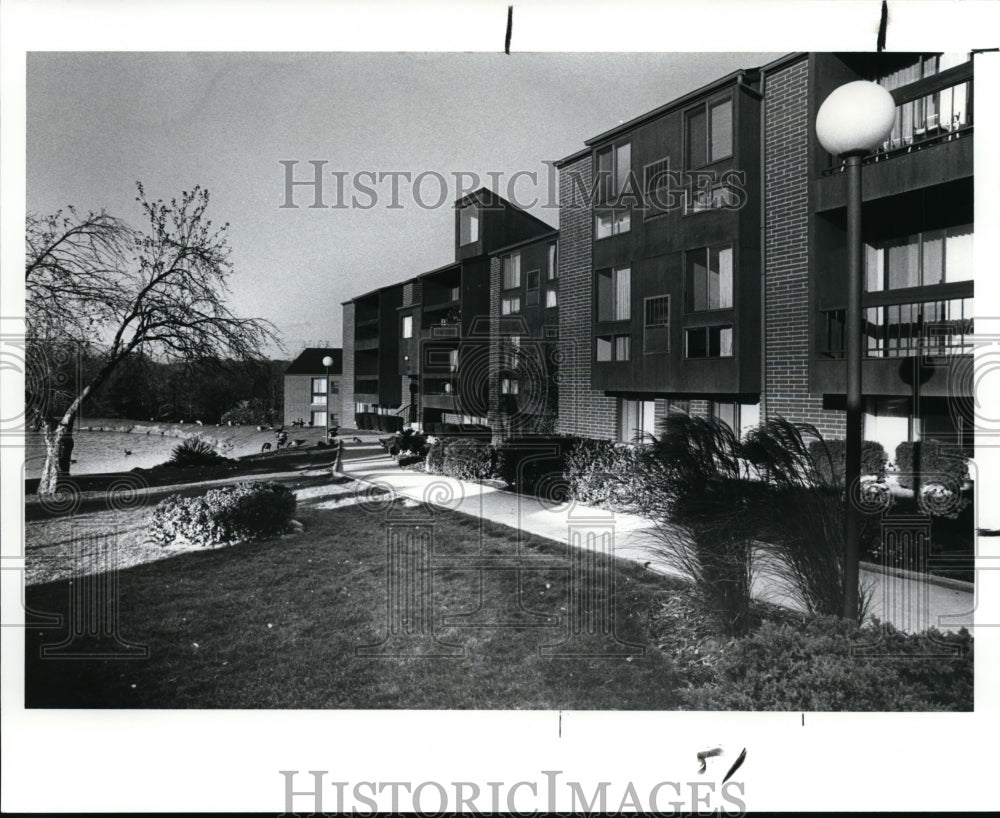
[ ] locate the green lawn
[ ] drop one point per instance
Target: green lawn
(276, 624)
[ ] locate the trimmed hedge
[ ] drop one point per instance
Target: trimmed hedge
(462, 458)
(602, 473)
(530, 464)
(873, 459)
(811, 667)
(939, 464)
(240, 512)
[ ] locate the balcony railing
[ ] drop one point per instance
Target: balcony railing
(933, 110)
(932, 328)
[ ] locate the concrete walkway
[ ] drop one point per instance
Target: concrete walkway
(909, 604)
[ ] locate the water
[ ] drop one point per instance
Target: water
(103, 452)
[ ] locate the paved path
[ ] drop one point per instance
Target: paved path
(909, 604)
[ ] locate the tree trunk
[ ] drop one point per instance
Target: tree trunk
(58, 453)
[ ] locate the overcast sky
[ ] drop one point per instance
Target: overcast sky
(98, 122)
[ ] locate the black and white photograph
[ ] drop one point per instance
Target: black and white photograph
(502, 423)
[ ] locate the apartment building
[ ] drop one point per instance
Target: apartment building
(312, 390)
(418, 352)
(700, 265)
(703, 257)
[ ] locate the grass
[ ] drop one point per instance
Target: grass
(275, 624)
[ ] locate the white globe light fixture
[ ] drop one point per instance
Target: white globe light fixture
(327, 362)
(853, 121)
(856, 117)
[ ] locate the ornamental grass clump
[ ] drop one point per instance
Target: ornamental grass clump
(244, 511)
(194, 452)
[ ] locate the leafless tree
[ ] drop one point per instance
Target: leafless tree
(94, 283)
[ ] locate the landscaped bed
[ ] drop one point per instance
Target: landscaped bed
(275, 623)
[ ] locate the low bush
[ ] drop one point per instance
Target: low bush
(240, 512)
(536, 463)
(937, 463)
(604, 474)
(194, 452)
(462, 458)
(830, 459)
(822, 664)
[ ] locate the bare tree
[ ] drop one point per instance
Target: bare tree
(94, 283)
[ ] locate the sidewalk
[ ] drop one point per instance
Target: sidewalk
(909, 604)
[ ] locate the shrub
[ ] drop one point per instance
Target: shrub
(938, 464)
(435, 456)
(830, 459)
(251, 412)
(194, 452)
(812, 667)
(470, 460)
(240, 512)
(602, 473)
(536, 463)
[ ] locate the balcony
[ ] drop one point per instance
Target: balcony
(934, 328)
(362, 344)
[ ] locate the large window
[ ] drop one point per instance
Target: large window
(511, 271)
(708, 342)
(319, 390)
(710, 133)
(614, 293)
(920, 260)
(407, 326)
(468, 218)
(614, 168)
(636, 419)
(656, 326)
(709, 284)
(510, 306)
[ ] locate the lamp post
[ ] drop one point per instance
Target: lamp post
(327, 362)
(854, 120)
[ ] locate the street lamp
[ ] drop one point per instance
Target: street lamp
(327, 362)
(854, 120)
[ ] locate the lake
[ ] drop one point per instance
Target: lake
(103, 452)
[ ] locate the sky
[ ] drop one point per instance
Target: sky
(99, 122)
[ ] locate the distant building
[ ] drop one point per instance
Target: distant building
(309, 390)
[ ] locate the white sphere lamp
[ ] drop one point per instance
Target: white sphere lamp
(855, 118)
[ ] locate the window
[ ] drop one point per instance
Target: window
(739, 417)
(709, 284)
(717, 196)
(317, 418)
(532, 278)
(407, 326)
(551, 299)
(920, 260)
(511, 271)
(614, 170)
(455, 292)
(510, 352)
(656, 326)
(612, 348)
(551, 271)
(659, 186)
(453, 359)
(510, 306)
(614, 293)
(708, 342)
(508, 386)
(710, 133)
(636, 418)
(468, 218)
(319, 390)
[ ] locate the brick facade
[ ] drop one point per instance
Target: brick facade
(786, 273)
(582, 410)
(347, 379)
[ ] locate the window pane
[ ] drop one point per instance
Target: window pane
(319, 386)
(696, 139)
(724, 264)
(407, 326)
(603, 348)
(902, 262)
(469, 220)
(722, 130)
(726, 342)
(958, 253)
(697, 282)
(622, 347)
(605, 296)
(623, 165)
(623, 294)
(623, 221)
(696, 342)
(532, 279)
(551, 271)
(932, 249)
(602, 225)
(550, 298)
(604, 176)
(874, 268)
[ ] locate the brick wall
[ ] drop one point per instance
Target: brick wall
(582, 410)
(786, 274)
(347, 378)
